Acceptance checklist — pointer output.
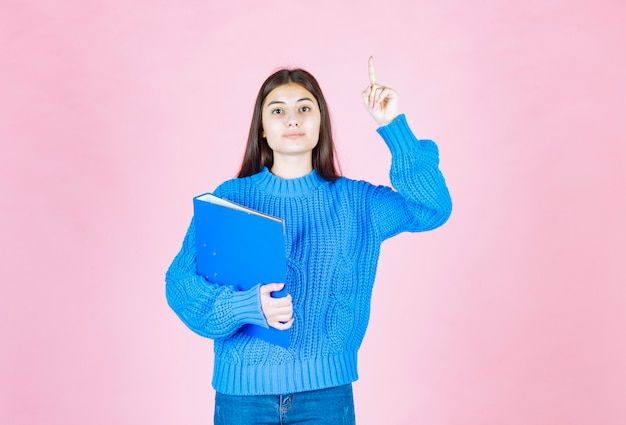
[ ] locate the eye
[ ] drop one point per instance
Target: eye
(305, 109)
(277, 111)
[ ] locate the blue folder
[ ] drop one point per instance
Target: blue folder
(241, 247)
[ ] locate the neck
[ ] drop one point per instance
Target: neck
(291, 167)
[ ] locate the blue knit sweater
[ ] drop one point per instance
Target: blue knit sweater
(334, 231)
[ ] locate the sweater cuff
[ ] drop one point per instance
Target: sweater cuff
(400, 139)
(247, 307)
(397, 133)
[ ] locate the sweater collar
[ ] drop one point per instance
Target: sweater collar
(287, 187)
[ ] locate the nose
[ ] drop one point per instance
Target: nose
(292, 120)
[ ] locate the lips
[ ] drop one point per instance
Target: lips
(293, 135)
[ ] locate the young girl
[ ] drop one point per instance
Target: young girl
(334, 229)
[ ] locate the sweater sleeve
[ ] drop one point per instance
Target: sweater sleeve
(211, 310)
(421, 200)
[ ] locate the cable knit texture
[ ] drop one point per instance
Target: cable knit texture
(334, 231)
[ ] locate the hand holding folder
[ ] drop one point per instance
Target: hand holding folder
(241, 247)
(278, 311)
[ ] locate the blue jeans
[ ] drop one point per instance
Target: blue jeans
(321, 407)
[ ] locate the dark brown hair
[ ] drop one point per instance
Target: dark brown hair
(258, 153)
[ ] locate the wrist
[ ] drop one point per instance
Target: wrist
(247, 307)
(385, 122)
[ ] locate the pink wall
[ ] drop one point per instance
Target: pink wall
(113, 114)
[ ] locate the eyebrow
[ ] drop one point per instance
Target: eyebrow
(283, 103)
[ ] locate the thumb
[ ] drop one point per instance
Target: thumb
(271, 287)
(365, 94)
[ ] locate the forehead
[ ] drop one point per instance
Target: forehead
(288, 93)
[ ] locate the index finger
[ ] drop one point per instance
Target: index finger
(371, 70)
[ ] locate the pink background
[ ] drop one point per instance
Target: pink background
(113, 114)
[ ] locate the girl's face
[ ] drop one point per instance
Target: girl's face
(291, 121)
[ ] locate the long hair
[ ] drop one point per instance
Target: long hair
(258, 153)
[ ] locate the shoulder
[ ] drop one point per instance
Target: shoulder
(230, 188)
(348, 186)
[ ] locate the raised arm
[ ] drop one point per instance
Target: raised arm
(421, 200)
